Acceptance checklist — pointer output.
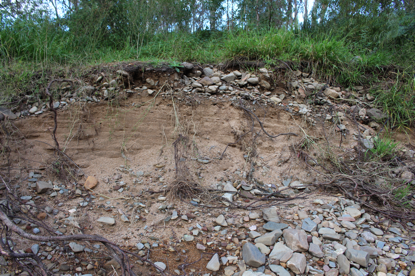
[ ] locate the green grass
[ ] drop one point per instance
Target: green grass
(32, 52)
(383, 148)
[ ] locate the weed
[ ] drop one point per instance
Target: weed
(383, 148)
(403, 195)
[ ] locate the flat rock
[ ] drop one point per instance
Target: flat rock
(106, 220)
(220, 220)
(343, 264)
(76, 247)
(214, 263)
(279, 270)
(376, 231)
(43, 186)
(269, 238)
(161, 265)
(297, 263)
(281, 253)
(252, 256)
(358, 256)
(270, 214)
(229, 77)
(206, 81)
(271, 226)
(253, 81)
(91, 182)
(369, 237)
(309, 225)
(208, 72)
(376, 114)
(331, 93)
(354, 212)
(263, 248)
(8, 113)
(315, 250)
(296, 239)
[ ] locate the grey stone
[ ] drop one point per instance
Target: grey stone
(252, 256)
(348, 224)
(88, 90)
(280, 252)
(106, 220)
(228, 78)
(271, 226)
(206, 81)
(343, 263)
(324, 231)
(35, 248)
(140, 246)
(315, 250)
(369, 237)
(208, 72)
(161, 265)
(220, 220)
(297, 263)
(43, 186)
(263, 248)
(76, 247)
(354, 212)
(351, 234)
(188, 238)
(373, 252)
(358, 256)
(309, 225)
(331, 93)
(187, 65)
(279, 270)
(355, 272)
(269, 238)
(296, 239)
(332, 237)
(270, 214)
(376, 114)
(253, 81)
(395, 230)
(264, 84)
(376, 231)
(214, 263)
(5, 112)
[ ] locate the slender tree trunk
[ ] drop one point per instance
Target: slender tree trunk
(290, 13)
(305, 11)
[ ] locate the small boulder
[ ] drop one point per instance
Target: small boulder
(214, 263)
(91, 182)
(297, 263)
(43, 187)
(252, 256)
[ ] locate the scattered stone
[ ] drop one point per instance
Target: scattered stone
(220, 220)
(228, 78)
(264, 84)
(309, 225)
(269, 238)
(315, 250)
(297, 263)
(161, 265)
(43, 187)
(280, 252)
(331, 93)
(188, 238)
(252, 256)
(253, 81)
(206, 81)
(106, 220)
(376, 114)
(296, 239)
(91, 182)
(376, 231)
(343, 263)
(263, 248)
(281, 271)
(270, 214)
(208, 72)
(76, 247)
(354, 212)
(214, 263)
(358, 256)
(271, 226)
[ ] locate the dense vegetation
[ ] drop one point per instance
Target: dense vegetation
(348, 42)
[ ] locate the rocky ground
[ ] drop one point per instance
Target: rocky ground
(305, 232)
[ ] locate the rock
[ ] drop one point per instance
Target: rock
(412, 273)
(358, 256)
(269, 238)
(42, 216)
(188, 238)
(88, 90)
(220, 220)
(106, 220)
(271, 226)
(279, 270)
(161, 265)
(270, 214)
(406, 175)
(229, 188)
(35, 248)
(252, 256)
(91, 182)
(332, 272)
(150, 81)
(110, 265)
(264, 84)
(196, 84)
(206, 81)
(280, 252)
(297, 263)
(229, 270)
(376, 231)
(214, 263)
(187, 65)
(343, 263)
(331, 93)
(369, 237)
(275, 100)
(123, 73)
(76, 247)
(253, 81)
(263, 248)
(309, 225)
(33, 110)
(315, 250)
(150, 92)
(208, 72)
(229, 77)
(228, 196)
(43, 186)
(354, 212)
(376, 114)
(5, 112)
(296, 239)
(348, 224)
